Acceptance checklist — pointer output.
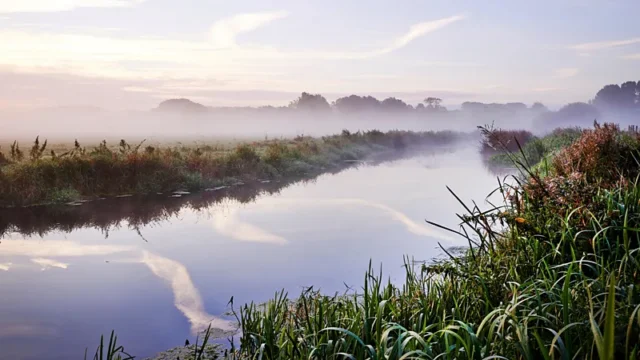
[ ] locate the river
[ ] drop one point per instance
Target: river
(159, 269)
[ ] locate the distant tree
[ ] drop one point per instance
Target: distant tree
(618, 97)
(393, 104)
(471, 106)
(433, 103)
(181, 105)
(420, 107)
(310, 102)
(579, 109)
(514, 106)
(574, 114)
(539, 107)
(355, 103)
(629, 94)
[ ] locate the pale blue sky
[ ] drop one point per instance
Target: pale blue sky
(134, 53)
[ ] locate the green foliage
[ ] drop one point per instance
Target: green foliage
(37, 150)
(16, 153)
(126, 169)
(113, 351)
(63, 195)
(535, 150)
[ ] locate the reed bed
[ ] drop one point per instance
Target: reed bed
(42, 177)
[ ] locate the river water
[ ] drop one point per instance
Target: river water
(159, 269)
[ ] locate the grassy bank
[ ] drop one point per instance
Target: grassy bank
(37, 176)
(559, 281)
(505, 149)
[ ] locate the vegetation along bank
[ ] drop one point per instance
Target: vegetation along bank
(40, 176)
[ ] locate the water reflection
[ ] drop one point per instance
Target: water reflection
(230, 225)
(237, 229)
(245, 241)
(49, 263)
(186, 297)
(55, 248)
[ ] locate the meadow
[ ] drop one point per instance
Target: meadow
(40, 175)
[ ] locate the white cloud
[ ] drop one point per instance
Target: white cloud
(421, 29)
(129, 58)
(565, 73)
(5, 266)
(224, 32)
(14, 6)
(49, 263)
(220, 59)
(632, 57)
(602, 45)
(415, 31)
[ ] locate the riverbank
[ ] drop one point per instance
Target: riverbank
(48, 178)
(558, 281)
(511, 149)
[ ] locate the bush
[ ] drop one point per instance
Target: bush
(602, 154)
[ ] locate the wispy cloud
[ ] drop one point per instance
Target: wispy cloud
(224, 32)
(415, 31)
(421, 29)
(602, 45)
(5, 266)
(49, 263)
(632, 57)
(13, 6)
(565, 73)
(221, 59)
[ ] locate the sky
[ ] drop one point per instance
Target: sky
(132, 54)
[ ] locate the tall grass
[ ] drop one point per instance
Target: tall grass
(126, 169)
(532, 151)
(552, 274)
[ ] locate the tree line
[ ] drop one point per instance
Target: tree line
(611, 99)
(356, 103)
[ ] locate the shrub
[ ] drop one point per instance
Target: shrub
(601, 154)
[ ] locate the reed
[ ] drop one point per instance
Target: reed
(80, 173)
